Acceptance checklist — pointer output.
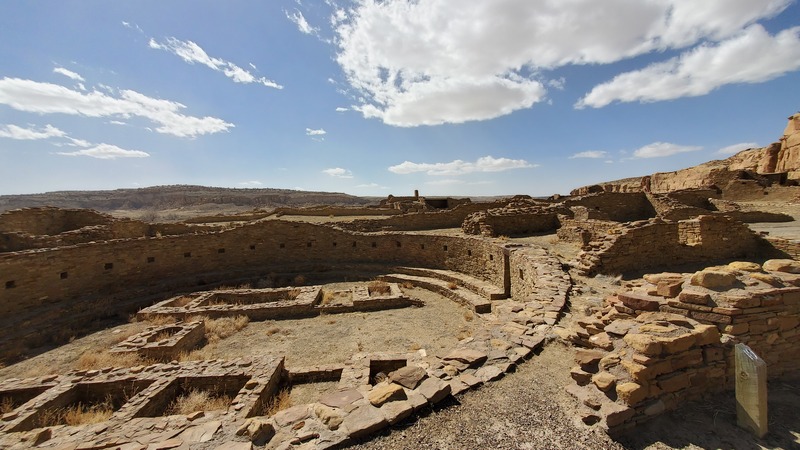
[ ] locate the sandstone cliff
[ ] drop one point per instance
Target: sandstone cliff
(782, 156)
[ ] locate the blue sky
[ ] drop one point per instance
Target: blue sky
(372, 98)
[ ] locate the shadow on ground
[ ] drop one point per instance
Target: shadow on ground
(711, 423)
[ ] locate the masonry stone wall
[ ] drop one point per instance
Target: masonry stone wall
(656, 243)
(336, 211)
(49, 221)
(451, 218)
(584, 231)
(55, 293)
(619, 206)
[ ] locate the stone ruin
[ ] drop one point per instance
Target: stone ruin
(664, 338)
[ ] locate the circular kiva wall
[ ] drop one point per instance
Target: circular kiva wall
(52, 294)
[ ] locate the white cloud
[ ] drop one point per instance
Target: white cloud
(594, 154)
(68, 73)
(338, 172)
(342, 109)
(662, 149)
(736, 148)
(251, 183)
(297, 18)
(47, 98)
(192, 53)
(753, 56)
(459, 167)
(107, 151)
(30, 134)
(370, 185)
(436, 61)
(117, 122)
(132, 26)
(311, 132)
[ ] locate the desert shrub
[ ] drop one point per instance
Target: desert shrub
(469, 315)
(197, 400)
(224, 327)
(279, 402)
(451, 285)
(78, 414)
(6, 406)
(92, 360)
(379, 288)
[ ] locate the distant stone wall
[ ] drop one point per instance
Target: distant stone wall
(337, 211)
(451, 218)
(619, 207)
(50, 221)
(55, 293)
(655, 243)
(584, 231)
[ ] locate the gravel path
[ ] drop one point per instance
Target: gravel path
(528, 409)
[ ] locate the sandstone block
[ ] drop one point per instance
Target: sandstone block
(620, 327)
(694, 297)
(588, 358)
(580, 377)
(713, 279)
(676, 344)
(655, 408)
(489, 373)
(639, 301)
(604, 380)
(364, 420)
(669, 289)
(330, 417)
(395, 412)
(408, 376)
(782, 265)
(631, 393)
(434, 389)
(706, 334)
(675, 382)
(602, 340)
(472, 358)
(643, 343)
(385, 392)
(292, 415)
(637, 371)
(745, 266)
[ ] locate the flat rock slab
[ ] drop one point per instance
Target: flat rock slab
(409, 376)
(782, 265)
(394, 412)
(489, 373)
(292, 415)
(638, 301)
(434, 389)
(471, 357)
(385, 392)
(364, 420)
(341, 399)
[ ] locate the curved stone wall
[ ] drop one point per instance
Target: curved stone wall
(52, 294)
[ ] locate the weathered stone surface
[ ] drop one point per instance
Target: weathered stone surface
(434, 389)
(694, 297)
(602, 340)
(330, 417)
(631, 393)
(292, 415)
(580, 377)
(713, 279)
(655, 408)
(616, 414)
(643, 343)
(472, 358)
(745, 266)
(385, 392)
(235, 445)
(620, 327)
(604, 380)
(340, 399)
(395, 412)
(782, 265)
(364, 420)
(408, 376)
(587, 358)
(201, 433)
(489, 373)
(638, 301)
(669, 289)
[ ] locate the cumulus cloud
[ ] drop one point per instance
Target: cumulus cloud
(30, 134)
(593, 154)
(736, 148)
(47, 98)
(662, 149)
(753, 56)
(68, 73)
(312, 132)
(107, 151)
(342, 109)
(338, 172)
(459, 167)
(192, 53)
(298, 19)
(428, 62)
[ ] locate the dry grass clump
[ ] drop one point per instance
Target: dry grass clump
(452, 286)
(161, 319)
(282, 400)
(293, 294)
(407, 285)
(327, 297)
(197, 400)
(414, 346)
(217, 329)
(163, 335)
(273, 330)
(92, 360)
(78, 414)
(469, 315)
(379, 287)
